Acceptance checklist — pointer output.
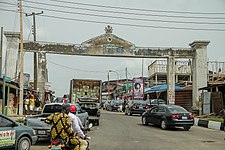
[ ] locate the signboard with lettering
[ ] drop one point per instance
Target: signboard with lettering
(7, 138)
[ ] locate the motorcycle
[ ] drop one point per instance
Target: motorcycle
(58, 144)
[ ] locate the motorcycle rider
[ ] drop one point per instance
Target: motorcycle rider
(76, 126)
(61, 128)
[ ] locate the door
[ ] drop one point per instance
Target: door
(7, 133)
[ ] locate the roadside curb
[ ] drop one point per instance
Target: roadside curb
(209, 124)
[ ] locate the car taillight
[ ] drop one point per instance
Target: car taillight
(134, 106)
(147, 107)
(175, 116)
(191, 116)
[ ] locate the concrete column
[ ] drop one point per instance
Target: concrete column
(171, 80)
(12, 51)
(41, 75)
(199, 70)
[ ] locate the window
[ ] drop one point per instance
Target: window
(161, 109)
(5, 122)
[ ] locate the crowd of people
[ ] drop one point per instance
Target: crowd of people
(32, 104)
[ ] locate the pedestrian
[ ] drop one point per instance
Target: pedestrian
(26, 104)
(64, 99)
(32, 103)
(37, 104)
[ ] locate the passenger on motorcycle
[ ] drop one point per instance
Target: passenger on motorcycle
(76, 123)
(61, 128)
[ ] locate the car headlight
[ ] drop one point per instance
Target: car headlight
(34, 132)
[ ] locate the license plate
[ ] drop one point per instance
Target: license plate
(184, 117)
(41, 132)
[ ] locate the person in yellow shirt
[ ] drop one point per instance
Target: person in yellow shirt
(61, 128)
(32, 103)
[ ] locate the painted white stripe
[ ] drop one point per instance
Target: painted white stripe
(214, 125)
(196, 121)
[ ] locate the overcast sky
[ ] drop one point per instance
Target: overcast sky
(151, 23)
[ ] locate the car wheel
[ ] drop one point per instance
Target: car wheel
(164, 124)
(97, 122)
(129, 113)
(24, 143)
(86, 123)
(186, 128)
(144, 121)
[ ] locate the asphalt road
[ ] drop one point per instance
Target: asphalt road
(120, 132)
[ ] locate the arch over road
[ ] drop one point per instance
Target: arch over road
(110, 45)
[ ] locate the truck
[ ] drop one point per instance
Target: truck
(88, 94)
(87, 89)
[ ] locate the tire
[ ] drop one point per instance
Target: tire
(129, 113)
(24, 143)
(144, 121)
(163, 124)
(186, 128)
(97, 122)
(125, 112)
(86, 123)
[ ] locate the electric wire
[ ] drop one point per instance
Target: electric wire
(127, 18)
(81, 70)
(126, 24)
(130, 13)
(138, 9)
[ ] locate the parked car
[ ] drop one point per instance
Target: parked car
(136, 107)
(168, 116)
(115, 105)
(15, 136)
(154, 102)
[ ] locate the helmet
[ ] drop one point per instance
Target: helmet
(73, 109)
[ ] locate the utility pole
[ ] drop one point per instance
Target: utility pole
(3, 89)
(21, 61)
(1, 45)
(108, 86)
(126, 82)
(35, 53)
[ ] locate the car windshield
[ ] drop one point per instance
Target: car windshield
(177, 109)
(52, 108)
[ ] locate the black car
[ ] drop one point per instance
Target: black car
(154, 102)
(136, 107)
(168, 116)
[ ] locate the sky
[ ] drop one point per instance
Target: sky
(145, 23)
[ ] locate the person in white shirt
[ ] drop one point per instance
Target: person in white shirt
(76, 125)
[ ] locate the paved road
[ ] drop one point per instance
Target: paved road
(120, 132)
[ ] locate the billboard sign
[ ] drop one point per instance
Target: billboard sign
(138, 88)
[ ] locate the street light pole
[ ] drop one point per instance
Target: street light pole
(117, 83)
(108, 86)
